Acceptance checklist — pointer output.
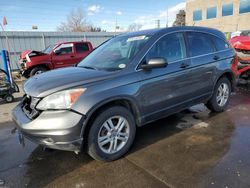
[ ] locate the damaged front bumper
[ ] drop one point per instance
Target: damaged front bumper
(53, 129)
(243, 58)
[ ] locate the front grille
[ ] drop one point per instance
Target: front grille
(28, 106)
(24, 60)
(246, 51)
(22, 63)
(243, 51)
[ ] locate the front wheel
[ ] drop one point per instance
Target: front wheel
(111, 134)
(37, 70)
(221, 96)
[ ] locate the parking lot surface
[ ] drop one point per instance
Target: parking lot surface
(194, 148)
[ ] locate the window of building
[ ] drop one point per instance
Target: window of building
(244, 6)
(200, 44)
(171, 47)
(197, 15)
(211, 12)
(227, 9)
(81, 47)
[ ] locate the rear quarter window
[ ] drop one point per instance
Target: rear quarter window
(199, 44)
(220, 43)
(81, 47)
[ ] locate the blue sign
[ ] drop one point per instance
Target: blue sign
(5, 60)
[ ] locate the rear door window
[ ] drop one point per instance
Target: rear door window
(81, 47)
(199, 44)
(171, 47)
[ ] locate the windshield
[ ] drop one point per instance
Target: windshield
(48, 49)
(115, 54)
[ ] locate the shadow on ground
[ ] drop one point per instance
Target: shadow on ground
(163, 156)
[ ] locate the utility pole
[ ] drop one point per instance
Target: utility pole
(167, 18)
(115, 23)
(158, 24)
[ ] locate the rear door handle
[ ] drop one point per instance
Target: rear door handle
(216, 58)
(184, 65)
(72, 56)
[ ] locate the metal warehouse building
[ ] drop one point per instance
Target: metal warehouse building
(225, 15)
(20, 40)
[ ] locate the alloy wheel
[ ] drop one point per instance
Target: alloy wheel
(222, 94)
(113, 134)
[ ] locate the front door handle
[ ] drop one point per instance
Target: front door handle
(184, 65)
(72, 56)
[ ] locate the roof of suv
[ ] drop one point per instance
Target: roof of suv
(173, 29)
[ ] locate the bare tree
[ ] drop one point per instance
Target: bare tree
(77, 22)
(134, 27)
(180, 18)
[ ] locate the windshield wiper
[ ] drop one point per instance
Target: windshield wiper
(88, 67)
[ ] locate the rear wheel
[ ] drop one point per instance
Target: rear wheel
(112, 134)
(221, 96)
(37, 70)
(9, 98)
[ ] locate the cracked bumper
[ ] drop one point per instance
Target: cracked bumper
(53, 129)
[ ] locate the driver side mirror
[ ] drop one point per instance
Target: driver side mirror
(154, 63)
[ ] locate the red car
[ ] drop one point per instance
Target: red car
(54, 56)
(241, 45)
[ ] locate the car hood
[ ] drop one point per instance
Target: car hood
(31, 53)
(241, 42)
(60, 79)
(24, 53)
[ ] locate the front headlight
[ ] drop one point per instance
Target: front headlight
(60, 100)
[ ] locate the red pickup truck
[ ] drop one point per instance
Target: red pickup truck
(54, 56)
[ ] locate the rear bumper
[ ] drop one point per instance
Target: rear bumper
(53, 129)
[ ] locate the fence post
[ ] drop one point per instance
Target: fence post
(43, 41)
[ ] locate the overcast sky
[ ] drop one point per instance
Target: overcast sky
(48, 14)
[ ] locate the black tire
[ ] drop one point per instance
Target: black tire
(94, 150)
(8, 98)
(37, 70)
(212, 104)
(26, 74)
